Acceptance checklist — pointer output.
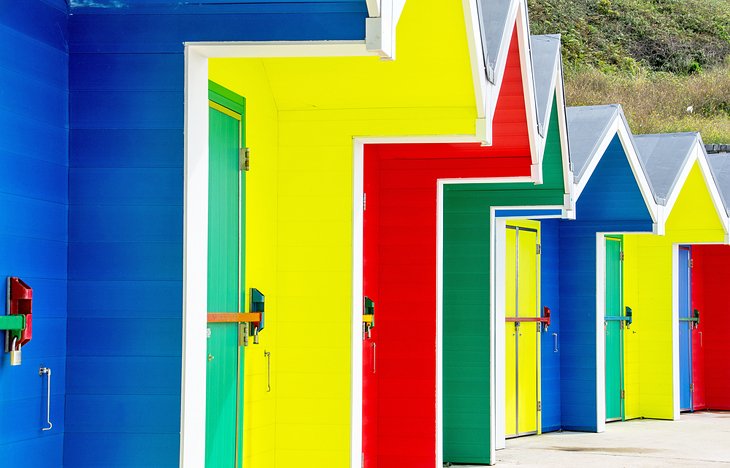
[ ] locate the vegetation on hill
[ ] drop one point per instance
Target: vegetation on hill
(666, 61)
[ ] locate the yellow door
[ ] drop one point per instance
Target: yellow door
(522, 344)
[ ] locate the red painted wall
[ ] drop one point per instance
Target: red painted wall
(400, 272)
(711, 277)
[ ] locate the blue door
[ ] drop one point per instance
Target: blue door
(685, 329)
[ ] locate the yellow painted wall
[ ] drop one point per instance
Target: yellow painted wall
(648, 290)
(302, 116)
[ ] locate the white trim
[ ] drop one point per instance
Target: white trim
(248, 49)
(380, 28)
(486, 180)
(373, 8)
(439, 324)
(498, 301)
(528, 84)
(712, 186)
(195, 262)
(570, 197)
(600, 334)
(675, 333)
(501, 60)
(482, 88)
(598, 153)
(356, 358)
(624, 134)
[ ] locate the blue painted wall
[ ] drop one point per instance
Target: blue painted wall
(33, 224)
(550, 359)
(126, 211)
(610, 202)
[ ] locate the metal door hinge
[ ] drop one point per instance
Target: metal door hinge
(539, 405)
(623, 394)
(691, 263)
(362, 460)
(364, 201)
(538, 249)
(621, 255)
(244, 159)
(691, 387)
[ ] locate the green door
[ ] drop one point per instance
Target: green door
(614, 329)
(224, 378)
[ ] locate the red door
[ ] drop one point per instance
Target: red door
(698, 361)
(370, 331)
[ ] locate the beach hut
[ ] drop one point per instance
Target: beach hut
(663, 366)
(613, 197)
(474, 265)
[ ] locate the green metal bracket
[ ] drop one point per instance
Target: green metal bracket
(12, 322)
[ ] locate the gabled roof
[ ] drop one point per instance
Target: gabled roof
(720, 165)
(669, 158)
(588, 126)
(664, 156)
(546, 60)
(590, 131)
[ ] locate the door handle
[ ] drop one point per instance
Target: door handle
(700, 339)
(555, 342)
(267, 355)
(374, 365)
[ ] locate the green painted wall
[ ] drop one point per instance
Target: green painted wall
(466, 326)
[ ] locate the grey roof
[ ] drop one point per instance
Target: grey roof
(587, 127)
(545, 56)
(663, 157)
(720, 166)
(715, 148)
(493, 22)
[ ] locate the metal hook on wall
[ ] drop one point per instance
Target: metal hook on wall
(47, 371)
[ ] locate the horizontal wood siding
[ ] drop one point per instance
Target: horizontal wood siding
(33, 225)
(126, 210)
(610, 202)
(467, 283)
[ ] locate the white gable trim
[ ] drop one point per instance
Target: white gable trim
(619, 127)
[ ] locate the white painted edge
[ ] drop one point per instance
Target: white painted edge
(373, 8)
(675, 333)
(712, 186)
(439, 324)
(624, 134)
(570, 197)
(380, 28)
(600, 335)
(595, 158)
(356, 357)
(503, 53)
(195, 263)
(498, 301)
(479, 77)
(248, 49)
(537, 143)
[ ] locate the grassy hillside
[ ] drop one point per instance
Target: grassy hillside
(666, 61)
